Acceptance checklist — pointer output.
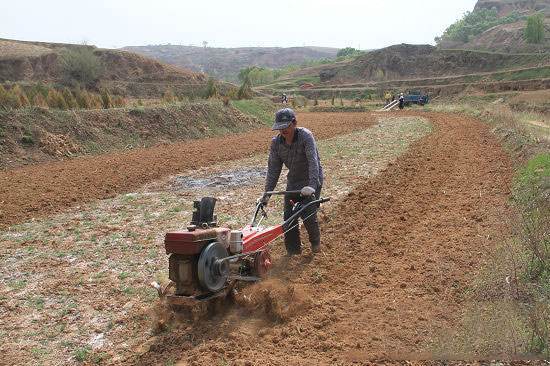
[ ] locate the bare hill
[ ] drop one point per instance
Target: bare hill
(225, 63)
(124, 72)
(415, 61)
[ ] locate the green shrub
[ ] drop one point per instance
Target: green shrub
(211, 89)
(137, 111)
(475, 23)
(27, 139)
(348, 53)
(232, 93)
(257, 75)
(81, 65)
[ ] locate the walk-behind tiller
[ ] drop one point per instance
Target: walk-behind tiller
(206, 260)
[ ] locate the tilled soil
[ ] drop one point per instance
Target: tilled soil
(75, 285)
(399, 254)
(36, 191)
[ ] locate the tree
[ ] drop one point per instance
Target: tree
(211, 89)
(245, 91)
(534, 31)
(81, 65)
(348, 51)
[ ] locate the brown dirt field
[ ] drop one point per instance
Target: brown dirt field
(36, 191)
(399, 254)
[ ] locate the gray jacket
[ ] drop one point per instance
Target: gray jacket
(300, 157)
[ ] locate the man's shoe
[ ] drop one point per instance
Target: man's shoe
(316, 248)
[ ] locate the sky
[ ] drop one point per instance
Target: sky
(366, 24)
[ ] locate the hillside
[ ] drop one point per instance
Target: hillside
(225, 63)
(505, 7)
(38, 135)
(508, 37)
(123, 72)
(416, 61)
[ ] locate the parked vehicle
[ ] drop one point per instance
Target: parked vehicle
(416, 97)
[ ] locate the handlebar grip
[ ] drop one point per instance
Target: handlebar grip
(324, 200)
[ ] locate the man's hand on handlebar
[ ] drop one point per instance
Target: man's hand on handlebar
(307, 191)
(264, 200)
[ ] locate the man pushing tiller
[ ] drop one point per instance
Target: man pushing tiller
(295, 147)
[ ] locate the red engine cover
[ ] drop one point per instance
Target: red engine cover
(192, 242)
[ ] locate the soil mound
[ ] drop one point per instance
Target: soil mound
(276, 300)
(38, 135)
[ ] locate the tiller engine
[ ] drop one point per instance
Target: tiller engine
(206, 260)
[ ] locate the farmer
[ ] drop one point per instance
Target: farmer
(387, 97)
(401, 101)
(295, 147)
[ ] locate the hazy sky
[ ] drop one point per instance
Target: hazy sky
(338, 23)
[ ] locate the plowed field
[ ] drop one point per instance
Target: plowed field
(399, 254)
(38, 190)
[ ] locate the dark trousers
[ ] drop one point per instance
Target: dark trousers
(292, 237)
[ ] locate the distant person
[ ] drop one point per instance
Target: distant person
(401, 101)
(295, 147)
(387, 97)
(284, 99)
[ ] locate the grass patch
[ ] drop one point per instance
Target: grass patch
(540, 73)
(261, 108)
(525, 262)
(532, 195)
(81, 354)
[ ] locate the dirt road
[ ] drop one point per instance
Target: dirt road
(36, 191)
(399, 254)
